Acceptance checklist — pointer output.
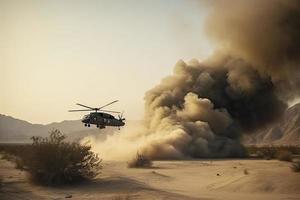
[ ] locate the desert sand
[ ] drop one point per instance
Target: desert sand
(189, 179)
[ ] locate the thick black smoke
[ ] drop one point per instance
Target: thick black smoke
(227, 98)
(264, 33)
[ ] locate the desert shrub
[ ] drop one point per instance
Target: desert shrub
(7, 156)
(285, 156)
(140, 161)
(19, 163)
(13, 153)
(10, 151)
(121, 197)
(51, 160)
(296, 166)
(266, 152)
(271, 151)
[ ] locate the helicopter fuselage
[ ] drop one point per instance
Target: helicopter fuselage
(100, 117)
(101, 120)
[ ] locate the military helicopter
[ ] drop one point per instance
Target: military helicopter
(100, 117)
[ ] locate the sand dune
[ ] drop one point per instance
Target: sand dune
(196, 179)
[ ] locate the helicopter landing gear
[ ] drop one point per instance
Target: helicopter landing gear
(85, 125)
(100, 126)
(88, 125)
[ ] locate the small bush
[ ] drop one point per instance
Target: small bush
(140, 161)
(285, 156)
(8, 157)
(296, 166)
(53, 161)
(19, 163)
(269, 153)
(246, 172)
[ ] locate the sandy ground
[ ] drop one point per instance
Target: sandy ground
(197, 179)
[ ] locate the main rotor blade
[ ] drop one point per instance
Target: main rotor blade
(108, 104)
(110, 111)
(80, 110)
(85, 106)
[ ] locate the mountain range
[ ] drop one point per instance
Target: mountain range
(16, 130)
(286, 131)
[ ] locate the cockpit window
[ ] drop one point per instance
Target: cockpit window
(107, 116)
(85, 116)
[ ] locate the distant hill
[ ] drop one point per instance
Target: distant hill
(284, 132)
(16, 130)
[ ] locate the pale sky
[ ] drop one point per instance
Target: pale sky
(56, 53)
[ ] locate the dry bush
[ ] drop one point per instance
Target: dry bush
(296, 166)
(15, 158)
(271, 151)
(285, 156)
(1, 184)
(52, 161)
(7, 156)
(121, 197)
(140, 161)
(19, 164)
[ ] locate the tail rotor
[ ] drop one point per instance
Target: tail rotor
(121, 117)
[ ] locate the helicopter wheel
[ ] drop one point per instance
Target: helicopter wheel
(98, 126)
(85, 124)
(88, 125)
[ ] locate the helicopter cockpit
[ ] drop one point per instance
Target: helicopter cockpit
(85, 117)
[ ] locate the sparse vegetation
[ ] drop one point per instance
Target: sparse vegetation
(19, 163)
(52, 161)
(140, 161)
(246, 171)
(285, 156)
(296, 166)
(272, 152)
(121, 197)
(10, 151)
(7, 156)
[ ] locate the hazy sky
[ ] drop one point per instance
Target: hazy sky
(54, 54)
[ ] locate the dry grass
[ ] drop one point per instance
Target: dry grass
(12, 158)
(271, 152)
(121, 197)
(296, 166)
(7, 156)
(140, 161)
(285, 156)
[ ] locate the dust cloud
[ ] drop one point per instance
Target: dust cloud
(203, 108)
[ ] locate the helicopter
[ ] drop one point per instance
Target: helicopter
(101, 118)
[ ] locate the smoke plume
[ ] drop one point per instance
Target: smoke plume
(263, 33)
(203, 108)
